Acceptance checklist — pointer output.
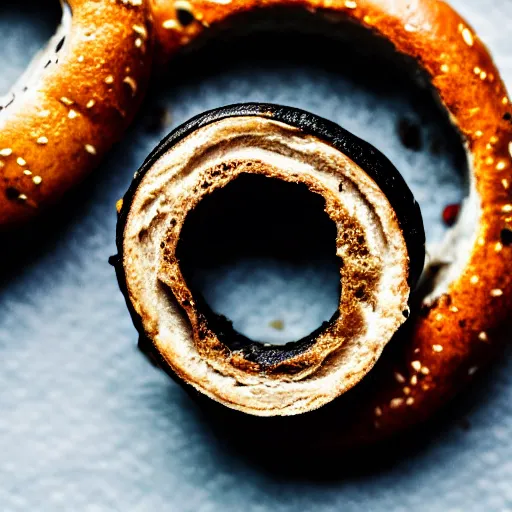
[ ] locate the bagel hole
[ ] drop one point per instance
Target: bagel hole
(261, 252)
(24, 32)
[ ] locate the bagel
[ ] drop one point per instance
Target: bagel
(377, 235)
(461, 314)
(73, 102)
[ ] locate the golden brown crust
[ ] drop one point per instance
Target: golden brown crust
(460, 330)
(55, 133)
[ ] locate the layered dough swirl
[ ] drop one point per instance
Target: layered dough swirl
(370, 245)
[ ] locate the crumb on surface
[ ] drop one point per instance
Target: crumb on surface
(278, 325)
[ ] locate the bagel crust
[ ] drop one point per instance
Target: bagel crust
(78, 99)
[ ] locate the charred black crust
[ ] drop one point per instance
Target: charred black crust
(372, 161)
(266, 356)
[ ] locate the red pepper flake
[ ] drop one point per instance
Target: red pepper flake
(450, 214)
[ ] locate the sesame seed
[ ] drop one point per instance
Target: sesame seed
(170, 24)
(378, 411)
(43, 113)
(501, 165)
(183, 5)
(474, 279)
(141, 30)
(409, 401)
(483, 336)
(350, 4)
(399, 378)
(454, 309)
(477, 70)
(439, 317)
(504, 100)
(493, 139)
(81, 58)
(90, 104)
(479, 133)
(481, 241)
(425, 387)
(21, 162)
(489, 160)
(467, 36)
(42, 140)
(72, 114)
(410, 28)
(437, 348)
(407, 390)
(131, 83)
(472, 370)
(90, 149)
(26, 172)
(66, 101)
(138, 43)
(496, 292)
(505, 183)
(414, 380)
(498, 247)
(507, 208)
(367, 19)
(396, 402)
(425, 370)
(416, 365)
(510, 148)
(22, 197)
(109, 80)
(37, 180)
(6, 152)
(416, 350)
(483, 75)
(445, 68)
(2, 164)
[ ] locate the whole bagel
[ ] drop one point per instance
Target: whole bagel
(462, 312)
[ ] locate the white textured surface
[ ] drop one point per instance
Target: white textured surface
(86, 424)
